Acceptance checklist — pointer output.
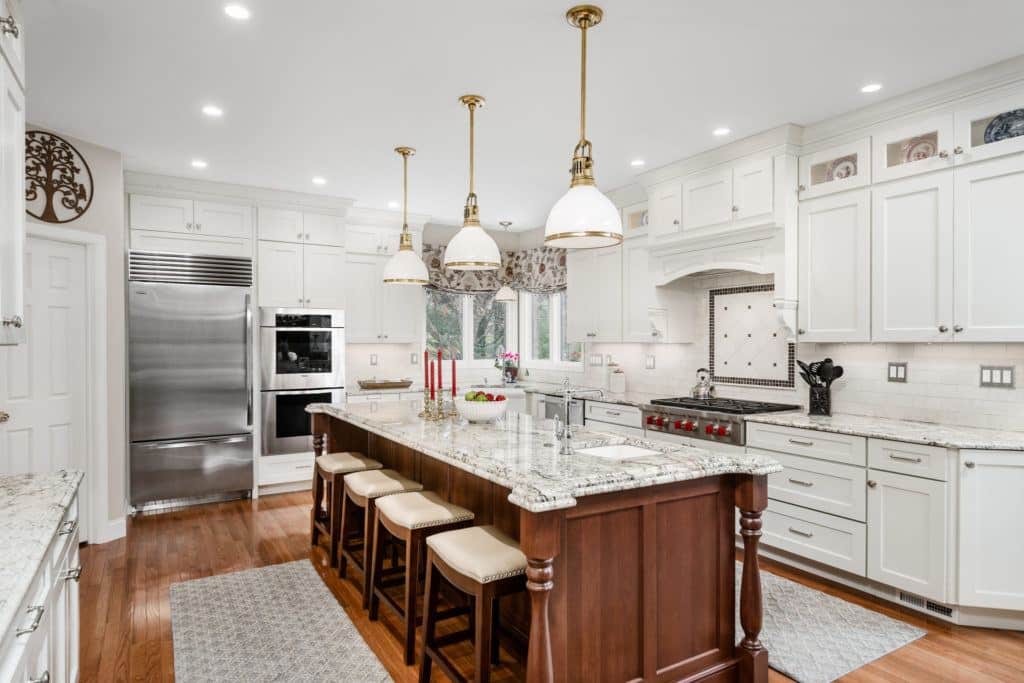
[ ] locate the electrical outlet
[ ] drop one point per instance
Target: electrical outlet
(649, 362)
(897, 372)
(997, 376)
(414, 358)
(373, 359)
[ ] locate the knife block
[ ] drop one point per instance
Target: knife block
(820, 401)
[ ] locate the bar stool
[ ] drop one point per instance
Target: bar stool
(328, 472)
(361, 490)
(484, 563)
(411, 517)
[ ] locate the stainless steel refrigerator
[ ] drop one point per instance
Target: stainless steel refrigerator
(190, 377)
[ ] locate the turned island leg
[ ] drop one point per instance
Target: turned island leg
(540, 539)
(751, 499)
(319, 426)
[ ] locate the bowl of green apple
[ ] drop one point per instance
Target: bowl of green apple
(481, 406)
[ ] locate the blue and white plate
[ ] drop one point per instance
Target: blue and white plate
(1007, 125)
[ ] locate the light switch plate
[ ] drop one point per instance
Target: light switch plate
(649, 362)
(997, 376)
(373, 359)
(897, 372)
(596, 360)
(414, 358)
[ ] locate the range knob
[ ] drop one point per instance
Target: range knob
(650, 419)
(722, 430)
(690, 426)
(710, 429)
(678, 424)
(661, 421)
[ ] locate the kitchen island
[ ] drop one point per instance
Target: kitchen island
(630, 560)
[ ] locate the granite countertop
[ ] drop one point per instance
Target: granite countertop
(356, 390)
(628, 398)
(31, 507)
(928, 433)
(521, 454)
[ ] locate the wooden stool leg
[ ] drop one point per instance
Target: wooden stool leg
(346, 513)
(318, 494)
(375, 568)
(482, 639)
(412, 563)
(368, 541)
(336, 491)
(495, 626)
(430, 607)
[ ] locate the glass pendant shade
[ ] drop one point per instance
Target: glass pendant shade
(405, 267)
(583, 219)
(505, 295)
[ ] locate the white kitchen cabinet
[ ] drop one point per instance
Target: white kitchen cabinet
(828, 539)
(981, 129)
(361, 239)
(653, 314)
(377, 313)
(190, 243)
(594, 288)
(12, 40)
(224, 220)
(707, 199)
(988, 202)
(912, 259)
(918, 147)
(991, 528)
(280, 275)
(323, 279)
(907, 533)
(401, 310)
(835, 169)
(12, 201)
(665, 209)
(635, 219)
(280, 225)
(323, 229)
(174, 215)
(753, 188)
(835, 272)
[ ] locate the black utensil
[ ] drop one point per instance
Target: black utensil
(808, 373)
(826, 371)
(807, 378)
(836, 373)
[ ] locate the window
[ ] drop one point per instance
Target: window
(548, 339)
(471, 327)
(540, 324)
(571, 352)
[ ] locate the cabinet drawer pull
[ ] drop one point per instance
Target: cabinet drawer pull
(903, 458)
(4, 417)
(38, 609)
(8, 25)
(68, 527)
(969, 464)
(73, 574)
(958, 150)
(303, 467)
(798, 532)
(14, 321)
(799, 482)
(801, 442)
(943, 154)
(45, 678)
(612, 412)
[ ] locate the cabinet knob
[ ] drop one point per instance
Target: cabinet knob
(943, 329)
(958, 150)
(969, 464)
(299, 236)
(801, 330)
(958, 328)
(943, 154)
(45, 678)
(14, 321)
(9, 27)
(4, 417)
(872, 483)
(300, 299)
(199, 226)
(188, 226)
(735, 209)
(801, 188)
(307, 236)
(675, 222)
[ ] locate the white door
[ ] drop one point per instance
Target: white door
(835, 273)
(12, 204)
(225, 220)
(666, 209)
(991, 528)
(282, 225)
(637, 292)
(280, 275)
(907, 533)
(167, 214)
(401, 311)
(581, 293)
(989, 241)
(608, 304)
(42, 382)
(753, 189)
(320, 229)
(323, 271)
(912, 259)
(361, 239)
(707, 199)
(362, 278)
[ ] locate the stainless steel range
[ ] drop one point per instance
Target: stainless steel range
(718, 420)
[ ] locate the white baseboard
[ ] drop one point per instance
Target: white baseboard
(111, 530)
(287, 487)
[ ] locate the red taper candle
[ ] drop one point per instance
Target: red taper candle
(453, 377)
(440, 376)
(431, 380)
(426, 370)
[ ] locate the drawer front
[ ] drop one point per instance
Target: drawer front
(627, 416)
(823, 486)
(283, 469)
(930, 462)
(851, 450)
(67, 534)
(828, 539)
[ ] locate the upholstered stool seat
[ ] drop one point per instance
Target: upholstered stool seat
(485, 564)
(329, 471)
(362, 490)
(412, 518)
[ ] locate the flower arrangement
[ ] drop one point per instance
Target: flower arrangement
(508, 363)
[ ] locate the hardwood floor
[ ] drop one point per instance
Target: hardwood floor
(126, 621)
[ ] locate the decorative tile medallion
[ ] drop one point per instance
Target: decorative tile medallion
(747, 340)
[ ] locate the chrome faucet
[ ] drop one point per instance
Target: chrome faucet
(563, 431)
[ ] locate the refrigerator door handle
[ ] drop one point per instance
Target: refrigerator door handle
(248, 360)
(198, 442)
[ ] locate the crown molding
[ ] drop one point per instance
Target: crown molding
(384, 218)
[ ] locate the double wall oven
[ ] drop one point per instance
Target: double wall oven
(302, 361)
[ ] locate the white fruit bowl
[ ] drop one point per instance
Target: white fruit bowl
(481, 411)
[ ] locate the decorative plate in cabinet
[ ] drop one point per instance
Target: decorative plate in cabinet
(634, 220)
(990, 129)
(918, 147)
(839, 168)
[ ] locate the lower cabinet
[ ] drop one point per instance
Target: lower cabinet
(824, 538)
(907, 533)
(991, 530)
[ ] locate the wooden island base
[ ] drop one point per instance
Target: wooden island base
(627, 586)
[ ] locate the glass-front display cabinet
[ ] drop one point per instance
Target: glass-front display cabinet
(990, 129)
(917, 147)
(839, 168)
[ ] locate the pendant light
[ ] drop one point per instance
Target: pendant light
(472, 248)
(583, 218)
(405, 267)
(505, 294)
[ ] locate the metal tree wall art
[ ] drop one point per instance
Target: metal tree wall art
(58, 182)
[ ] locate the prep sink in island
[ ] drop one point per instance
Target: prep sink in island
(630, 547)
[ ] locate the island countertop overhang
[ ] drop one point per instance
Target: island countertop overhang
(522, 455)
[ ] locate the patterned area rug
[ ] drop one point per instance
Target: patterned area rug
(813, 637)
(255, 625)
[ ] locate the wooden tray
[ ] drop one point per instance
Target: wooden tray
(385, 383)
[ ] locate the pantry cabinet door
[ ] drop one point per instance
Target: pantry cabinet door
(988, 203)
(280, 275)
(166, 214)
(918, 147)
(912, 259)
(665, 209)
(835, 273)
(637, 293)
(323, 274)
(322, 229)
(282, 225)
(362, 287)
(401, 312)
(608, 304)
(753, 189)
(990, 129)
(581, 292)
(225, 220)
(707, 200)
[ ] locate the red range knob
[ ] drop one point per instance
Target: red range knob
(650, 419)
(710, 429)
(722, 431)
(678, 424)
(661, 421)
(690, 426)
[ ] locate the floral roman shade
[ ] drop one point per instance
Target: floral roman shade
(539, 270)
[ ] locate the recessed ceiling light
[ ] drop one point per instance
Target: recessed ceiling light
(637, 163)
(319, 180)
(394, 205)
(720, 131)
(236, 11)
(871, 87)
(198, 163)
(213, 111)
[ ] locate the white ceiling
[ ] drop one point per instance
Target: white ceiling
(329, 87)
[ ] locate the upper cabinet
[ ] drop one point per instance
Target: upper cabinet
(919, 147)
(189, 216)
(375, 312)
(12, 180)
(378, 240)
(990, 129)
(594, 286)
(835, 169)
(301, 275)
(707, 199)
(665, 209)
(635, 220)
(652, 314)
(12, 40)
(287, 225)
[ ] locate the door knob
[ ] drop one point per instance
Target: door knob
(872, 483)
(4, 417)
(15, 321)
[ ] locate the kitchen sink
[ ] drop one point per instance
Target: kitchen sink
(618, 452)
